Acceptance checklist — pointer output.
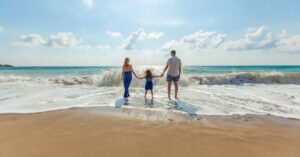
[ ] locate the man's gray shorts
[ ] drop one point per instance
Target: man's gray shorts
(172, 78)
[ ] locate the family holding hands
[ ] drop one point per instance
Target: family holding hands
(173, 75)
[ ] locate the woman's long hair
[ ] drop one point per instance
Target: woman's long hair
(126, 62)
(148, 74)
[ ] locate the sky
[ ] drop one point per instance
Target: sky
(99, 33)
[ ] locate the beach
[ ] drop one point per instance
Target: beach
(222, 111)
(90, 132)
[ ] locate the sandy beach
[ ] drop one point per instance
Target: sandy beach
(77, 132)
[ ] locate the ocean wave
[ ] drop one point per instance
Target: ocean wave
(113, 78)
(249, 77)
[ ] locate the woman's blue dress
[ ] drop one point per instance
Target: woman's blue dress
(127, 77)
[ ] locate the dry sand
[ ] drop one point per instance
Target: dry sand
(74, 133)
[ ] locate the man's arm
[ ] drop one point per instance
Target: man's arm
(179, 70)
(167, 66)
(157, 76)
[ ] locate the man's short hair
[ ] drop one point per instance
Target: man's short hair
(173, 52)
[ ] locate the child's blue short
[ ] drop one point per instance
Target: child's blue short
(149, 85)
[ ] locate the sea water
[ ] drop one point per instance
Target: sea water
(208, 90)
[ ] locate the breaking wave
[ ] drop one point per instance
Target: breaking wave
(113, 78)
(248, 77)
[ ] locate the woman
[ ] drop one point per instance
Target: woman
(127, 76)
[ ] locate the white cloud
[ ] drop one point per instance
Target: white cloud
(155, 35)
(58, 40)
(254, 39)
(289, 44)
(283, 33)
(197, 40)
(130, 42)
(218, 40)
(62, 40)
(88, 3)
(114, 34)
(103, 47)
(86, 47)
(30, 40)
(170, 45)
(1, 29)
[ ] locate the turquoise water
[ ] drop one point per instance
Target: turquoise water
(90, 70)
(54, 71)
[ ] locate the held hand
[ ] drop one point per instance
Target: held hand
(161, 75)
(179, 76)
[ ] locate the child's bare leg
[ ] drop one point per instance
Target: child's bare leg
(146, 93)
(151, 93)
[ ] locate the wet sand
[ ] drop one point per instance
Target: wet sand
(78, 133)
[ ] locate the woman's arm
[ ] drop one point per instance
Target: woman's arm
(133, 71)
(122, 73)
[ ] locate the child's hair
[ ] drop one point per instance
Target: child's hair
(148, 74)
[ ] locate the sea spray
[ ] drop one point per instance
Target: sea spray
(113, 78)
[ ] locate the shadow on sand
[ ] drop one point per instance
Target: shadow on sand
(120, 102)
(149, 103)
(184, 106)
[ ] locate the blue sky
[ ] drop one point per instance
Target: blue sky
(96, 32)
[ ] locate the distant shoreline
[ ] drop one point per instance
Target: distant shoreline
(6, 65)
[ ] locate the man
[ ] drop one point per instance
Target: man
(173, 75)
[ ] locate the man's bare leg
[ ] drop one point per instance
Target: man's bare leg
(169, 89)
(176, 89)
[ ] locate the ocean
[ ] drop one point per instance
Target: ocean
(203, 90)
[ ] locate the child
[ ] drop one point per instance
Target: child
(149, 84)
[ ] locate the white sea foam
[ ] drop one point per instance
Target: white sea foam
(238, 93)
